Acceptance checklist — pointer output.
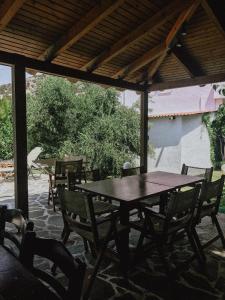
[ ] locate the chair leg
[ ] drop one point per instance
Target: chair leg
(220, 232)
(66, 236)
(85, 245)
(94, 273)
(198, 243)
(195, 248)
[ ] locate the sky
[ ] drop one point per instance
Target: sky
(5, 74)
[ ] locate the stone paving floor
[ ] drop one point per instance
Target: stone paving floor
(147, 280)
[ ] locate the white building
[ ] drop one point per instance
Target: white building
(177, 132)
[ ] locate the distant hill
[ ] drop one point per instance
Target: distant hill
(31, 82)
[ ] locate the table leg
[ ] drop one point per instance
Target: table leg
(124, 238)
(163, 202)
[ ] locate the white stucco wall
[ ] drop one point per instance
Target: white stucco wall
(182, 140)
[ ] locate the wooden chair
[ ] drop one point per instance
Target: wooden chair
(53, 250)
(197, 171)
(84, 216)
(208, 205)
(56, 252)
(178, 217)
(59, 177)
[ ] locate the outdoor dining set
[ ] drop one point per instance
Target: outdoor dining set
(162, 207)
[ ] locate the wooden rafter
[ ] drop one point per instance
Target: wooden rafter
(51, 68)
(8, 9)
(141, 61)
(185, 15)
(188, 62)
(188, 82)
(160, 18)
(80, 28)
(215, 9)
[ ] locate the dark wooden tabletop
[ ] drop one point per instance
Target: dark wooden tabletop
(171, 179)
(137, 187)
(17, 283)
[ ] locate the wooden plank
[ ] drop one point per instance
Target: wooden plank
(215, 9)
(162, 49)
(148, 26)
(188, 62)
(8, 9)
(184, 16)
(51, 68)
(144, 131)
(80, 28)
(188, 82)
(20, 137)
(141, 61)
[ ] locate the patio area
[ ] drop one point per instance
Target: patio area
(147, 280)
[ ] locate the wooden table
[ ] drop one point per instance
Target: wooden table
(17, 283)
(131, 189)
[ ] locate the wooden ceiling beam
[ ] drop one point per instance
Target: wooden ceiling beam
(8, 9)
(80, 28)
(154, 22)
(161, 50)
(215, 9)
(199, 80)
(188, 62)
(55, 69)
(185, 16)
(149, 56)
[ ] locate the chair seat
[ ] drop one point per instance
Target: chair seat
(158, 225)
(151, 201)
(101, 207)
(103, 229)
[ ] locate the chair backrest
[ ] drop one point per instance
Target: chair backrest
(181, 207)
(131, 171)
(93, 175)
(55, 251)
(197, 171)
(78, 212)
(33, 155)
(63, 167)
(210, 197)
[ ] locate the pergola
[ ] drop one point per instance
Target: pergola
(139, 45)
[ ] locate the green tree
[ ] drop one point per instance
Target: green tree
(48, 114)
(83, 119)
(6, 129)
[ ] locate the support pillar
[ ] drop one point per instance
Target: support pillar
(144, 131)
(20, 137)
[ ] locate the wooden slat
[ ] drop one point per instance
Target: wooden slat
(8, 9)
(188, 62)
(140, 62)
(147, 27)
(162, 49)
(80, 28)
(215, 9)
(185, 15)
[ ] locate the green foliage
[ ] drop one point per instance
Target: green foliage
(216, 130)
(6, 130)
(83, 119)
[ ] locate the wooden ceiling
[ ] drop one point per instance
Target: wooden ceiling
(164, 43)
